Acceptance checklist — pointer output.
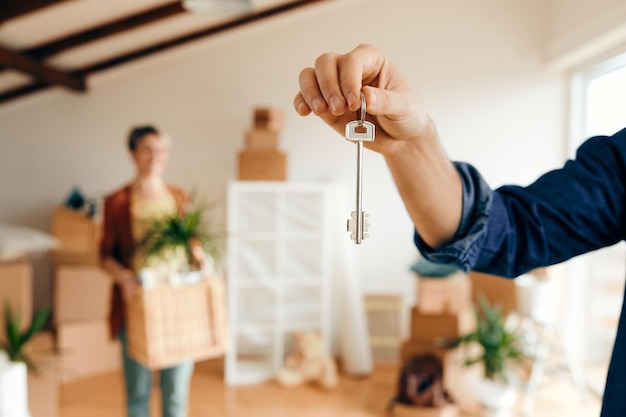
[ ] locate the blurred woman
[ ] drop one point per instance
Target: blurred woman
(127, 215)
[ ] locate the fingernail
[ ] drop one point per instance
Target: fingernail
(317, 105)
(302, 108)
(351, 98)
(335, 103)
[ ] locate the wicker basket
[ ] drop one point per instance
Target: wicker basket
(168, 325)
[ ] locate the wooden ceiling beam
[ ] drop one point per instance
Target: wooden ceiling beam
(104, 30)
(213, 30)
(161, 46)
(40, 71)
(10, 9)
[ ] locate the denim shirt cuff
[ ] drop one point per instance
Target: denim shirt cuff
(464, 249)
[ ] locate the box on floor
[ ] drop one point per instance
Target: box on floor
(444, 295)
(429, 327)
(81, 293)
(79, 236)
(16, 287)
(384, 320)
(87, 350)
(43, 384)
(497, 290)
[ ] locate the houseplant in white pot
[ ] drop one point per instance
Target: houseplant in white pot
(500, 353)
(13, 366)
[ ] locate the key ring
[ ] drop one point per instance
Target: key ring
(362, 111)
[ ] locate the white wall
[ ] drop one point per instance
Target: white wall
(477, 65)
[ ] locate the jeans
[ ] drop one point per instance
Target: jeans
(174, 384)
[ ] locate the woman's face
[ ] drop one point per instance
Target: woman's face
(151, 155)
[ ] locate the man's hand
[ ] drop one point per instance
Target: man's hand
(332, 91)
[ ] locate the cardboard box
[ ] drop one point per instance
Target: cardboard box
(262, 140)
(168, 325)
(444, 295)
(401, 410)
(262, 165)
(78, 234)
(81, 293)
(384, 320)
(497, 290)
(87, 350)
(269, 118)
(16, 287)
(43, 385)
(429, 327)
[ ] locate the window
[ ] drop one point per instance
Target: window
(596, 280)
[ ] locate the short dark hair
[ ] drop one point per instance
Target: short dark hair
(137, 133)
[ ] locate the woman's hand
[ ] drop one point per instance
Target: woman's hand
(128, 282)
(332, 91)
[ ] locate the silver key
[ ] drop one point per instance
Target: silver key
(359, 131)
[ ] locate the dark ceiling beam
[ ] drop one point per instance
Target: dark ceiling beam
(40, 71)
(162, 46)
(104, 30)
(213, 30)
(10, 9)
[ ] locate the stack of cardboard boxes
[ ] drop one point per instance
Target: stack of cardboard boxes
(81, 298)
(443, 311)
(261, 158)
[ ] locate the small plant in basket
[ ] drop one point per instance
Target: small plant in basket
(184, 231)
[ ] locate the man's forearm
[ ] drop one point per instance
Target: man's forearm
(430, 187)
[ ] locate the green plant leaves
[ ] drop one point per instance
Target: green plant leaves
(501, 347)
(16, 340)
(178, 231)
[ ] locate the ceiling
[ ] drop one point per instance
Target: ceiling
(60, 43)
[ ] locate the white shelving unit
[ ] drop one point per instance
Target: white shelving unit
(279, 268)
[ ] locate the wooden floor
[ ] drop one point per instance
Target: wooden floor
(102, 396)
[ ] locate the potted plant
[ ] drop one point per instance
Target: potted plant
(13, 368)
(184, 233)
(500, 353)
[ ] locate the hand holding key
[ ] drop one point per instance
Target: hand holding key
(406, 136)
(359, 131)
(331, 90)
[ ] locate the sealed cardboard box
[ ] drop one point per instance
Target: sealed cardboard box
(401, 410)
(498, 291)
(262, 165)
(87, 350)
(168, 325)
(262, 140)
(43, 384)
(429, 327)
(78, 234)
(269, 118)
(81, 293)
(384, 320)
(16, 287)
(444, 295)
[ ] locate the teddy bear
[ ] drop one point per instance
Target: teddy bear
(310, 363)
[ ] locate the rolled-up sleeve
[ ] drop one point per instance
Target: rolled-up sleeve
(465, 248)
(566, 212)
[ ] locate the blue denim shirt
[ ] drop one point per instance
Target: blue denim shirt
(566, 212)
